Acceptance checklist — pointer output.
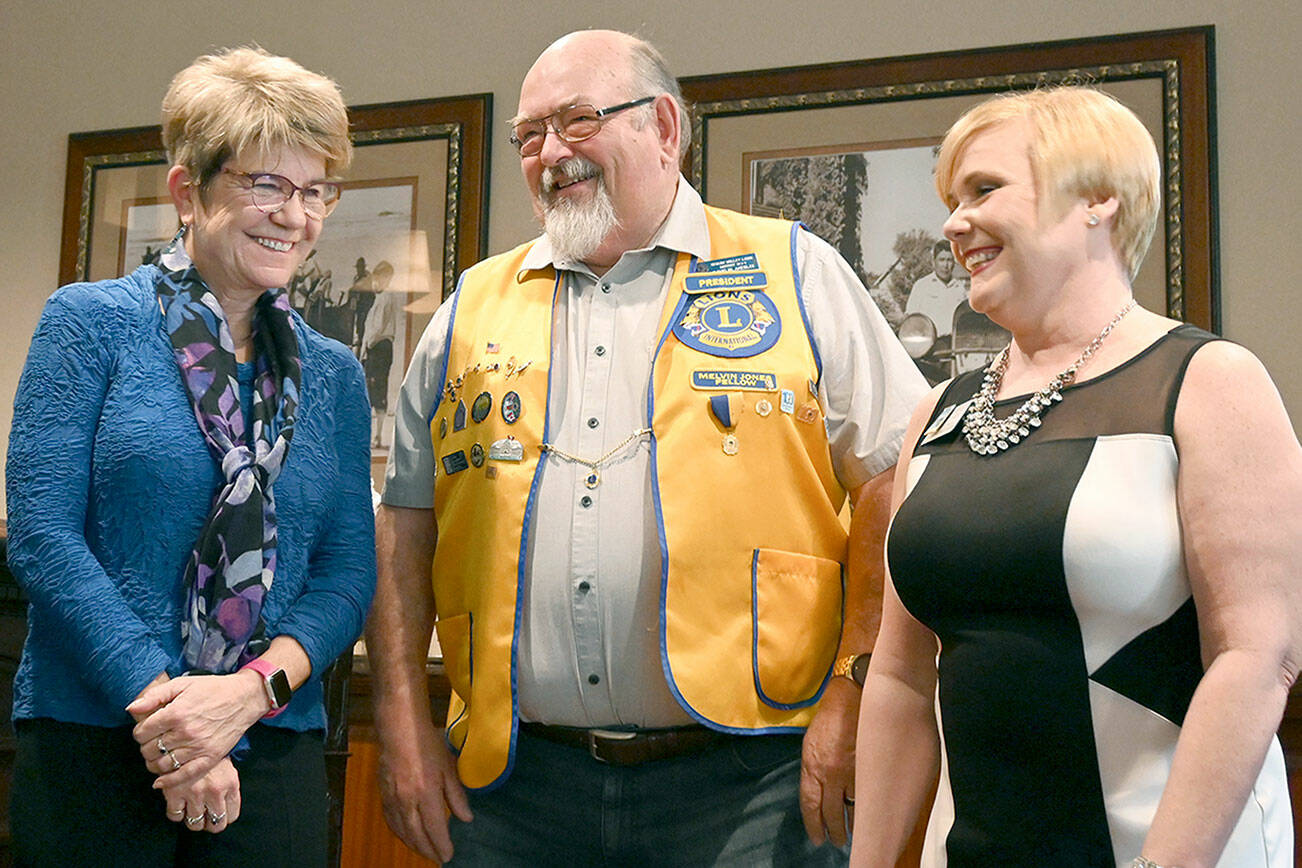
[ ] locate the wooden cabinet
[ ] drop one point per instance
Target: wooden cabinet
(367, 841)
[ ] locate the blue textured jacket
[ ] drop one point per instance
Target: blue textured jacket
(109, 482)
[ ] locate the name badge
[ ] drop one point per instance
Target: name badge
(945, 423)
(744, 262)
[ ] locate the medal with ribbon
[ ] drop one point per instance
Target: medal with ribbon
(726, 410)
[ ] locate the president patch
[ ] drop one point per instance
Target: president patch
(730, 324)
(724, 281)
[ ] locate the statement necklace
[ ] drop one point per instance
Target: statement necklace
(987, 435)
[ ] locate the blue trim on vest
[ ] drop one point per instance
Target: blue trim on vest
(683, 300)
(800, 299)
(754, 643)
(520, 568)
(447, 349)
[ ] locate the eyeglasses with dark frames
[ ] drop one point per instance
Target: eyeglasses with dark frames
(575, 123)
(270, 192)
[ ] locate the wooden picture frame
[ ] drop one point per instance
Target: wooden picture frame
(416, 199)
(1166, 76)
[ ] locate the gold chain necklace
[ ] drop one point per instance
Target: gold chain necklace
(593, 479)
(987, 435)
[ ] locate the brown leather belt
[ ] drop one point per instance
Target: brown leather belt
(628, 748)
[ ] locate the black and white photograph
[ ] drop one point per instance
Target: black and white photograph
(147, 227)
(876, 204)
(356, 284)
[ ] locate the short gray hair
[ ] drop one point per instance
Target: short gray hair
(650, 75)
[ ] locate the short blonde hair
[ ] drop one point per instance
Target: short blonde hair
(1084, 144)
(245, 99)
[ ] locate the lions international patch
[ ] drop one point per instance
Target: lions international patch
(734, 325)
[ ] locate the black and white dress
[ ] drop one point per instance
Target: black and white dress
(1054, 576)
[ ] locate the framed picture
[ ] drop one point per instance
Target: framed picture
(849, 149)
(412, 216)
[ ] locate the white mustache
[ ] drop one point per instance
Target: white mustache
(573, 169)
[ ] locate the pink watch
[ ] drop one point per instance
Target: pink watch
(275, 682)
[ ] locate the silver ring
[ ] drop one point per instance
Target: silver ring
(216, 818)
(194, 821)
(176, 763)
(162, 748)
(178, 812)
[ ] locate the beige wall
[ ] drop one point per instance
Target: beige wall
(95, 64)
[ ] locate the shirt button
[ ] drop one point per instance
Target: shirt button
(584, 587)
(592, 422)
(600, 350)
(585, 501)
(605, 287)
(594, 679)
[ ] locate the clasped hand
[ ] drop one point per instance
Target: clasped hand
(186, 727)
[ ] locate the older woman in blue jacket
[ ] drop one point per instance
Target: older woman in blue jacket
(188, 486)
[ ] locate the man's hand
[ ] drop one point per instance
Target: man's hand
(418, 777)
(419, 788)
(827, 763)
(827, 760)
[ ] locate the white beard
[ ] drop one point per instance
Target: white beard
(576, 228)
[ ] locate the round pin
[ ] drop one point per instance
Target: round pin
(443, 428)
(482, 407)
(763, 406)
(730, 444)
(511, 407)
(477, 454)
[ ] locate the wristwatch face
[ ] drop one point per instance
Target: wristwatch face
(859, 668)
(854, 667)
(278, 689)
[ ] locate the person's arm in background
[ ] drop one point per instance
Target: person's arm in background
(868, 387)
(898, 748)
(827, 755)
(418, 776)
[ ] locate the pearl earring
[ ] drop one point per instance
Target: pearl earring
(1092, 219)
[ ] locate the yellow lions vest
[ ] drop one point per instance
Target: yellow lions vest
(752, 579)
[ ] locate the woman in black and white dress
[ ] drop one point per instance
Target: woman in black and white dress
(1094, 614)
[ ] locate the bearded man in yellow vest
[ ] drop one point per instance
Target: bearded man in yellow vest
(618, 462)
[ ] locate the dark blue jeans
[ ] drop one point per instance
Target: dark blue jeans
(735, 804)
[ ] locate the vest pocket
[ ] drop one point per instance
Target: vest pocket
(455, 640)
(796, 608)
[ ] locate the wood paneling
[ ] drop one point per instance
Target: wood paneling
(368, 843)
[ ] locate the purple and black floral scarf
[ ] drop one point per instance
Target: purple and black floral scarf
(233, 562)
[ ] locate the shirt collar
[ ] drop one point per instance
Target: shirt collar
(684, 231)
